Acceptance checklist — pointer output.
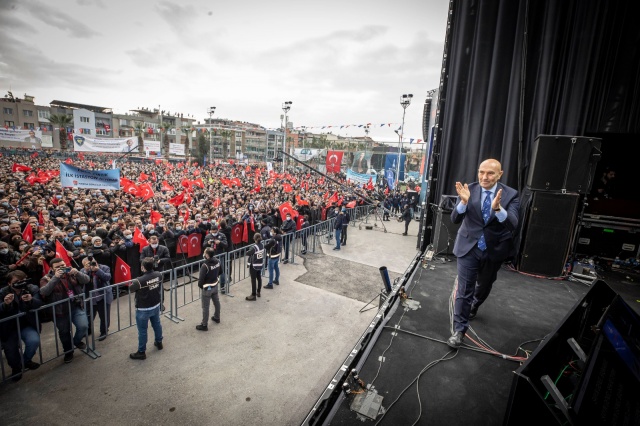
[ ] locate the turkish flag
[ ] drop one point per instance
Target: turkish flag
(195, 245)
(27, 234)
(287, 187)
(81, 156)
(145, 191)
(20, 168)
(154, 177)
(143, 177)
(198, 182)
(236, 181)
(236, 233)
(34, 155)
(158, 162)
(299, 221)
(166, 186)
(386, 191)
(334, 198)
(61, 252)
(125, 182)
(183, 245)
(40, 218)
(186, 183)
(131, 189)
(155, 217)
(138, 238)
(301, 202)
(122, 271)
(216, 203)
(334, 160)
(351, 204)
(196, 172)
(149, 130)
(68, 161)
(31, 178)
(287, 208)
(369, 185)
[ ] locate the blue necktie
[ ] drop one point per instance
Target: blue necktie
(486, 213)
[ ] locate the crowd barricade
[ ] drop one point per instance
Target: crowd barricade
(125, 309)
(10, 322)
(237, 265)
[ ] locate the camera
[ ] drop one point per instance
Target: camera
(22, 284)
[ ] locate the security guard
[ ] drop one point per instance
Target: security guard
(148, 290)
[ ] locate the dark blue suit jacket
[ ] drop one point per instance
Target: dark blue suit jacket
(497, 235)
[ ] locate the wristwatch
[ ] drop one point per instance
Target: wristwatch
(497, 210)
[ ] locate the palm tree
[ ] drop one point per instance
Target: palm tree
(165, 141)
(226, 134)
(62, 121)
(140, 131)
(186, 130)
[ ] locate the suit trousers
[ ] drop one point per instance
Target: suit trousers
(476, 275)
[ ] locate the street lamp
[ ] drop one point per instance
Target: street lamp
(285, 108)
(210, 111)
(405, 101)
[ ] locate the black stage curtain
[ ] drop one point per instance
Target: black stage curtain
(523, 68)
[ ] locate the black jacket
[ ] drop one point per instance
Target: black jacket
(221, 246)
(8, 328)
(161, 251)
(148, 290)
(288, 226)
(209, 272)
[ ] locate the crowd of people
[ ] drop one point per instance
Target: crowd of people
(56, 242)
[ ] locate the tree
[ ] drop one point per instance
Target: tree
(201, 148)
(186, 131)
(165, 126)
(226, 134)
(140, 131)
(62, 121)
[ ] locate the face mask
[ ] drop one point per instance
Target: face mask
(83, 228)
(288, 218)
(115, 219)
(41, 242)
(148, 211)
(154, 245)
(4, 228)
(58, 197)
(128, 237)
(152, 231)
(97, 245)
(67, 213)
(4, 251)
(205, 222)
(178, 228)
(76, 220)
(87, 200)
(77, 243)
(161, 225)
(71, 233)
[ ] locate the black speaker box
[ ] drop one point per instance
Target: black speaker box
(445, 231)
(549, 225)
(563, 163)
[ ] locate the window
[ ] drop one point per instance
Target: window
(101, 132)
(44, 114)
(29, 125)
(85, 131)
(124, 122)
(84, 119)
(27, 113)
(8, 111)
(9, 123)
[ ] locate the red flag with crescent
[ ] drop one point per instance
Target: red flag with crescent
(334, 160)
(122, 271)
(195, 245)
(27, 234)
(138, 238)
(143, 176)
(287, 208)
(236, 233)
(145, 191)
(183, 245)
(61, 252)
(166, 186)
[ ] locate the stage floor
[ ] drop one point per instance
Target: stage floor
(471, 388)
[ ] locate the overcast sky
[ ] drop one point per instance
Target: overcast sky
(339, 62)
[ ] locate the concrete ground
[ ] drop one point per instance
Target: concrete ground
(266, 363)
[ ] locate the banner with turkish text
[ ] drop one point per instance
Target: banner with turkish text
(75, 177)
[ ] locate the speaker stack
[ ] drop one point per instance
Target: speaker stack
(446, 231)
(561, 169)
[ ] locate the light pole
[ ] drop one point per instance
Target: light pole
(366, 141)
(285, 108)
(405, 101)
(210, 111)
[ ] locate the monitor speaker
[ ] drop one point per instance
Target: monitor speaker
(445, 230)
(549, 225)
(563, 163)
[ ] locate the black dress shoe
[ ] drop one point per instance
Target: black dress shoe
(158, 345)
(473, 312)
(216, 320)
(201, 327)
(252, 298)
(455, 341)
(258, 294)
(269, 286)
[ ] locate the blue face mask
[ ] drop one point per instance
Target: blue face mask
(77, 243)
(71, 233)
(41, 242)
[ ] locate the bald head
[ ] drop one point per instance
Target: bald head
(489, 173)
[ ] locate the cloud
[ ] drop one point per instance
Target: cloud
(97, 3)
(150, 57)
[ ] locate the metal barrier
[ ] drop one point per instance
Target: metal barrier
(4, 322)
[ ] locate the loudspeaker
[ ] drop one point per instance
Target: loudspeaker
(445, 230)
(549, 225)
(563, 163)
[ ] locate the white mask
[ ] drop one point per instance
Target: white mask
(154, 246)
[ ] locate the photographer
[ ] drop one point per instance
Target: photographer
(208, 279)
(61, 283)
(100, 277)
(19, 296)
(148, 289)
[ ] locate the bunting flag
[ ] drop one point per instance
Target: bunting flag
(122, 271)
(195, 245)
(20, 168)
(27, 234)
(138, 238)
(166, 186)
(61, 252)
(155, 217)
(183, 245)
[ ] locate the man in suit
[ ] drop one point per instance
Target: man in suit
(488, 211)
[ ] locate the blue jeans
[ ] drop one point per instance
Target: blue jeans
(11, 346)
(273, 266)
(338, 236)
(79, 319)
(142, 321)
